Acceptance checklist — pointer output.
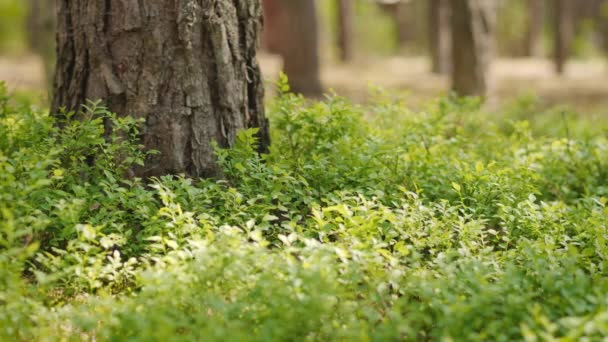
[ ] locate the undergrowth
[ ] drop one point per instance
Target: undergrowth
(362, 223)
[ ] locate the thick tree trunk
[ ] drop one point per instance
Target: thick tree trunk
(534, 32)
(41, 33)
(345, 29)
(472, 46)
(563, 32)
(188, 67)
(439, 35)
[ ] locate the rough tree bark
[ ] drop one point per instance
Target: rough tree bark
(472, 45)
(40, 30)
(562, 35)
(345, 29)
(188, 67)
(439, 35)
(534, 30)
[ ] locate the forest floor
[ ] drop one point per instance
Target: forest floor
(583, 87)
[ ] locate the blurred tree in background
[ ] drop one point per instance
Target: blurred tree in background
(563, 33)
(473, 44)
(440, 40)
(534, 30)
(345, 18)
(513, 21)
(292, 31)
(41, 22)
(12, 33)
(602, 19)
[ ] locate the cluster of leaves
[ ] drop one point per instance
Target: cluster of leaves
(363, 222)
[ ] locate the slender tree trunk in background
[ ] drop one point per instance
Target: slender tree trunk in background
(563, 32)
(187, 67)
(345, 29)
(271, 37)
(586, 10)
(291, 31)
(472, 45)
(534, 32)
(401, 14)
(41, 33)
(299, 46)
(439, 35)
(405, 26)
(410, 23)
(601, 21)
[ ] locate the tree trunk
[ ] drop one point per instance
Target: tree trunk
(439, 35)
(406, 33)
(601, 21)
(187, 67)
(563, 31)
(271, 37)
(299, 46)
(291, 31)
(534, 32)
(407, 20)
(41, 33)
(345, 29)
(472, 45)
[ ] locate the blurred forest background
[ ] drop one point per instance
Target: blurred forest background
(552, 51)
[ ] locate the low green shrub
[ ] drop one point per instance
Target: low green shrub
(362, 223)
